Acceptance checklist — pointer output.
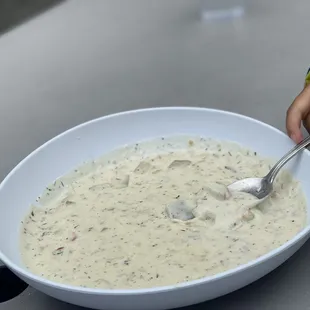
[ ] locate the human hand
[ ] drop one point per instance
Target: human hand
(298, 113)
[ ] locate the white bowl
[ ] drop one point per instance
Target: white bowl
(91, 140)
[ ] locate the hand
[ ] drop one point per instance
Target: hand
(299, 112)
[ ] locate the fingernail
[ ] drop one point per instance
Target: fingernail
(296, 138)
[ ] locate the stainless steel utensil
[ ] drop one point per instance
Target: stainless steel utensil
(261, 188)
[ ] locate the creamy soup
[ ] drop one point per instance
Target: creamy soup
(158, 213)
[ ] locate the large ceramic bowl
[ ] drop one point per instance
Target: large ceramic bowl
(91, 140)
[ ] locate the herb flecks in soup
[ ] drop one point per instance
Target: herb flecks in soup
(158, 213)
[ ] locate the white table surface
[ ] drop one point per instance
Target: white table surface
(84, 59)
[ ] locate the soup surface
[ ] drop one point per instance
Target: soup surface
(158, 213)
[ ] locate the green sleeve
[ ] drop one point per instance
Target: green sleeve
(307, 79)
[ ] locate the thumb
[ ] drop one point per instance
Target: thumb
(296, 113)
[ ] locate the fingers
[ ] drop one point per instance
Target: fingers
(307, 123)
(297, 113)
(293, 123)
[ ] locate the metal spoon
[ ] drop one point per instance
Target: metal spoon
(261, 188)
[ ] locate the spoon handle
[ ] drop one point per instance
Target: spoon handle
(276, 168)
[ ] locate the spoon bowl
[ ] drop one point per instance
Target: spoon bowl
(261, 188)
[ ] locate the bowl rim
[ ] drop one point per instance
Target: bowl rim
(160, 289)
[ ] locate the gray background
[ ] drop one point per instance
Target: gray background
(82, 59)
